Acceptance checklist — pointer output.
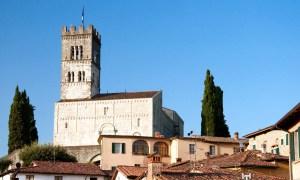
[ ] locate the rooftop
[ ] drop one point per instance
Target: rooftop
(261, 131)
(70, 168)
(289, 119)
(130, 171)
(114, 96)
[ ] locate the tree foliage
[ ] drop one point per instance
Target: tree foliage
(4, 164)
(22, 129)
(213, 120)
(45, 152)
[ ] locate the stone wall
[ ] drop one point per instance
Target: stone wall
(79, 123)
(84, 154)
(80, 54)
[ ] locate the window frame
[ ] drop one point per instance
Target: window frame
(161, 148)
(122, 148)
(140, 147)
(212, 150)
(192, 148)
(29, 177)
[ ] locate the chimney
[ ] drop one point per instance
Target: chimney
(154, 166)
(236, 136)
(157, 134)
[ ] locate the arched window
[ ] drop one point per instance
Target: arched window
(69, 77)
(140, 147)
(83, 76)
(161, 148)
(79, 76)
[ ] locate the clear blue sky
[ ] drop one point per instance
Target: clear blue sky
(251, 47)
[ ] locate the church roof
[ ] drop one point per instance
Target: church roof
(120, 95)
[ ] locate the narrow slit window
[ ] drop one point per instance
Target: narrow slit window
(79, 76)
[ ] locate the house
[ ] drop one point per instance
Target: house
(290, 123)
(134, 150)
(198, 147)
(46, 170)
(269, 140)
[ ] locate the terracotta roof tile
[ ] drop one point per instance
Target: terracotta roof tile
(189, 170)
(132, 171)
(46, 167)
(241, 159)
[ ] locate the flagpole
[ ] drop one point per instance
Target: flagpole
(82, 17)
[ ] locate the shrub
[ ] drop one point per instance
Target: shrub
(45, 152)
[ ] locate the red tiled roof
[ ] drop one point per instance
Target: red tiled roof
(190, 170)
(130, 171)
(46, 167)
(209, 173)
(241, 159)
(121, 95)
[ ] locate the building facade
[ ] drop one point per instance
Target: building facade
(291, 124)
(82, 113)
(134, 150)
(269, 140)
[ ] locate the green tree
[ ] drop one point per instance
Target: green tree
(22, 129)
(15, 123)
(213, 121)
(45, 152)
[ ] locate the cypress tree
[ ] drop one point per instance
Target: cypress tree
(22, 129)
(213, 121)
(15, 124)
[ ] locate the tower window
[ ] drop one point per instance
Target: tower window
(81, 52)
(79, 76)
(83, 76)
(72, 76)
(72, 52)
(76, 52)
(69, 77)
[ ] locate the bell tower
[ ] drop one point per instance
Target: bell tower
(80, 62)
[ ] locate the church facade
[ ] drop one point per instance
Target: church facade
(83, 113)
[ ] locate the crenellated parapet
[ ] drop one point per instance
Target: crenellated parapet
(73, 30)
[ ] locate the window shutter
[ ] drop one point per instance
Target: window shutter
(292, 148)
(287, 139)
(123, 148)
(299, 142)
(113, 148)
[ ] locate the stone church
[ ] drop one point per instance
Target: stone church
(83, 113)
